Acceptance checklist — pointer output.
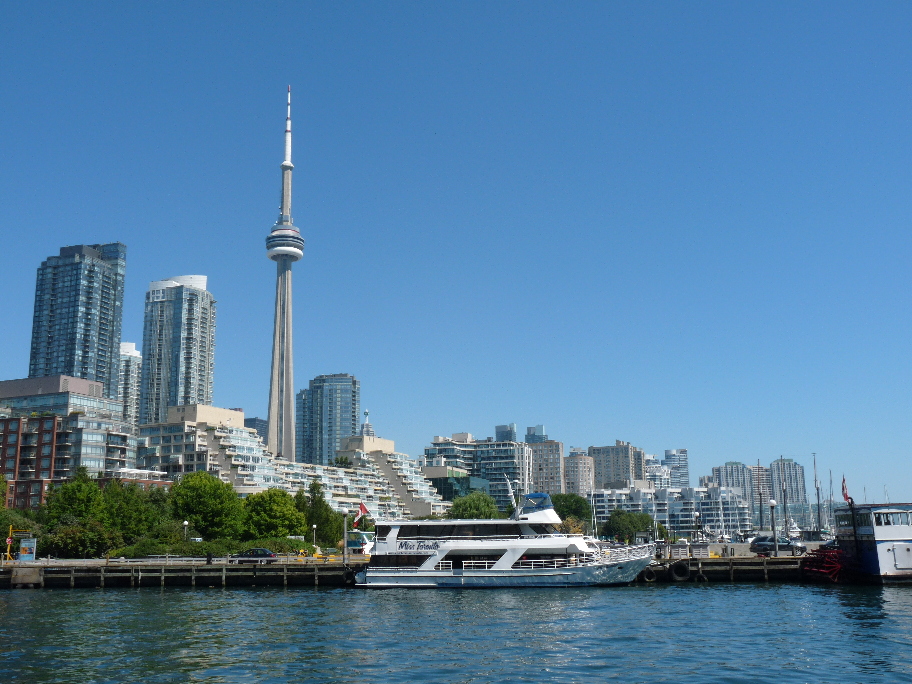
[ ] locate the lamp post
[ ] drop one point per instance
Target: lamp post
(773, 525)
(345, 536)
(314, 527)
(186, 527)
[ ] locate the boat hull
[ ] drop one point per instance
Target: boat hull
(596, 574)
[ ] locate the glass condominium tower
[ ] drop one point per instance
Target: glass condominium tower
(78, 313)
(328, 410)
(178, 356)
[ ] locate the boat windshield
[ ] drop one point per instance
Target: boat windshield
(536, 502)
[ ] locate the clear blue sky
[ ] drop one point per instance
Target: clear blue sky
(675, 225)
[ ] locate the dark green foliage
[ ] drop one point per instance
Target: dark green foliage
(84, 539)
(76, 500)
(319, 513)
(624, 525)
(477, 506)
(567, 505)
(273, 514)
(131, 511)
(211, 506)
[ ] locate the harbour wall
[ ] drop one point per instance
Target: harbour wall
(188, 573)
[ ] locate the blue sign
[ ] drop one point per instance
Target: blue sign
(27, 549)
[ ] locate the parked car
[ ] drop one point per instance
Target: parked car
(261, 556)
(788, 547)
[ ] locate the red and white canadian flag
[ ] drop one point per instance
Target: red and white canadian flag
(845, 491)
(362, 511)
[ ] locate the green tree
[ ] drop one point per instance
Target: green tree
(211, 506)
(128, 510)
(567, 505)
(572, 525)
(313, 504)
(476, 506)
(76, 500)
(84, 539)
(624, 525)
(273, 514)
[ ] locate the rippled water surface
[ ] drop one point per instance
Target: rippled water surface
(676, 633)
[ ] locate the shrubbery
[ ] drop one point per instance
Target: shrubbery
(83, 520)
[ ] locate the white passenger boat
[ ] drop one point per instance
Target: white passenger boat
(527, 550)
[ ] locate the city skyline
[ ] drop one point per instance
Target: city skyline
(714, 231)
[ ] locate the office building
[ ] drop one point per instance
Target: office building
(178, 346)
(676, 460)
(505, 433)
(548, 473)
(617, 466)
(536, 434)
(128, 389)
(329, 410)
(284, 245)
(78, 312)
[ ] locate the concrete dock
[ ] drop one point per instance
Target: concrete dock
(51, 574)
(735, 569)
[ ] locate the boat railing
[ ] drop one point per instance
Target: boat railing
(478, 565)
(621, 553)
(553, 563)
(444, 565)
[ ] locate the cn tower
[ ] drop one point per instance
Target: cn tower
(284, 245)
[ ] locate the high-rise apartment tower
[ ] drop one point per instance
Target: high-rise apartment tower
(328, 411)
(676, 460)
(129, 385)
(178, 346)
(78, 312)
(284, 245)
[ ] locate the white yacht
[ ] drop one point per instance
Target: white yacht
(527, 550)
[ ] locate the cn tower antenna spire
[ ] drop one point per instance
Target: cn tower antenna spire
(288, 130)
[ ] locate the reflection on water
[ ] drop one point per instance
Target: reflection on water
(718, 633)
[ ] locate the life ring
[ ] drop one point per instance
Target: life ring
(648, 575)
(680, 572)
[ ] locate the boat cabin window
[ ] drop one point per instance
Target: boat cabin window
(382, 531)
(538, 501)
(862, 519)
(464, 530)
(544, 528)
(843, 520)
(897, 518)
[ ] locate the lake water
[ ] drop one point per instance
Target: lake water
(655, 633)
